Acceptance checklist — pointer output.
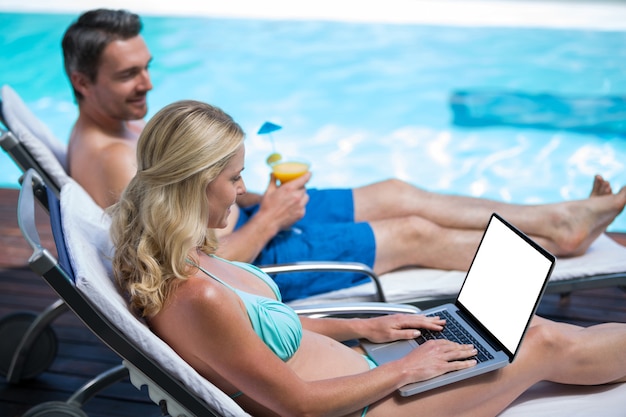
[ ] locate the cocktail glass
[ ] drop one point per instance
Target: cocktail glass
(285, 171)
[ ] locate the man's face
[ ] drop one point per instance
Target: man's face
(123, 82)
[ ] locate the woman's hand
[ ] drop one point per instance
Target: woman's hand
(437, 357)
(392, 327)
(431, 359)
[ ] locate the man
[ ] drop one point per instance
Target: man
(101, 150)
(386, 225)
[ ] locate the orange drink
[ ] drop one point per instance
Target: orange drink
(289, 170)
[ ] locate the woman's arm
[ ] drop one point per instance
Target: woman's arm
(238, 359)
(377, 329)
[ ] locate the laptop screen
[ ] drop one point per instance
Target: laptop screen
(505, 282)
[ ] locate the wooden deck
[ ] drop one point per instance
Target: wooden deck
(81, 355)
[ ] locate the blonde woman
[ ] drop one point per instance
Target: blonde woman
(226, 319)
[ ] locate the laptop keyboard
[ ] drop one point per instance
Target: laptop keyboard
(454, 332)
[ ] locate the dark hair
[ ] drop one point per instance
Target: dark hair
(86, 38)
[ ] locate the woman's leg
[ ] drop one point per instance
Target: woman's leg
(557, 352)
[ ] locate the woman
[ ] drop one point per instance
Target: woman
(190, 159)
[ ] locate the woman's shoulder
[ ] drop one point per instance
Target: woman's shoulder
(195, 292)
(194, 312)
(198, 299)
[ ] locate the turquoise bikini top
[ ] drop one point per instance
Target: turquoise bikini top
(275, 322)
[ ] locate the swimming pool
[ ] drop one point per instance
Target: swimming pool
(361, 101)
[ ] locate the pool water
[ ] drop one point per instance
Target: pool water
(362, 101)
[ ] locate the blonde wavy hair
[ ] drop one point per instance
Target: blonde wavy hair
(163, 213)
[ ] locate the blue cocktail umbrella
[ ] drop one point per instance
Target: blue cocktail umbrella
(268, 128)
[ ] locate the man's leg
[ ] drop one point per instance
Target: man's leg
(416, 241)
(567, 227)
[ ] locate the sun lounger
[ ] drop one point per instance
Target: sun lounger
(82, 277)
(31, 145)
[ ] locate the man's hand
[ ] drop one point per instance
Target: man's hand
(280, 207)
(285, 204)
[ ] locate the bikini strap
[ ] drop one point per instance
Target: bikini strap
(190, 262)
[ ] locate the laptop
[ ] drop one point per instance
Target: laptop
(494, 307)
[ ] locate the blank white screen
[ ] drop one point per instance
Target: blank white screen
(504, 282)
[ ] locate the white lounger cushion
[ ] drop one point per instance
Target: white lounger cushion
(603, 257)
(547, 399)
(32, 133)
(88, 244)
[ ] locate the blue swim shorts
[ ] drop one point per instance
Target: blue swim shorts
(326, 233)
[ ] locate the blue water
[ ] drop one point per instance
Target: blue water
(362, 102)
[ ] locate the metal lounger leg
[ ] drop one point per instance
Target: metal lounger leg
(30, 336)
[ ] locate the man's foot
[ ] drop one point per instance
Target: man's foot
(584, 220)
(600, 187)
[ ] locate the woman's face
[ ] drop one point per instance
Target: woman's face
(223, 191)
